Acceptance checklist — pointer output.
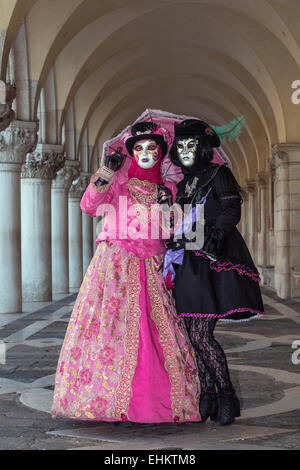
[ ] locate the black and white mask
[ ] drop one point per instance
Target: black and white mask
(187, 150)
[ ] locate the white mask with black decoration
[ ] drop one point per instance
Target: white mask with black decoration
(186, 151)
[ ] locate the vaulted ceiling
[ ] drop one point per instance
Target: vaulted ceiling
(87, 68)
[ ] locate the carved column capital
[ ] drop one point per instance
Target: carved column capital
(86, 176)
(251, 187)
(279, 156)
(79, 186)
(7, 96)
(66, 175)
(44, 162)
(262, 179)
(16, 141)
(286, 153)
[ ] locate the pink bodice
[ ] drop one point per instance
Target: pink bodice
(126, 224)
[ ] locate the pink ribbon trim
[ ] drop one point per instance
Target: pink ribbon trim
(228, 266)
(213, 315)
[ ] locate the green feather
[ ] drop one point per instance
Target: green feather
(231, 130)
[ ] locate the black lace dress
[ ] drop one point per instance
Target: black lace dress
(225, 285)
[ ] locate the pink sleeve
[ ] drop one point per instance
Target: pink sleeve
(94, 196)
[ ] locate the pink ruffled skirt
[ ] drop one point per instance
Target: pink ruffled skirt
(126, 354)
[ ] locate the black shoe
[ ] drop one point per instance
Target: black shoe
(229, 408)
(208, 406)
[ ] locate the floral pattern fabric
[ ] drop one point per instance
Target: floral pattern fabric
(98, 371)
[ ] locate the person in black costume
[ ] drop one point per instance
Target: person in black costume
(219, 281)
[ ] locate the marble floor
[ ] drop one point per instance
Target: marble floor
(263, 361)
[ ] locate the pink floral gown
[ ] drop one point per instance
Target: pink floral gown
(126, 354)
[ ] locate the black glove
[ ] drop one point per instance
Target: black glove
(174, 245)
(115, 160)
(164, 195)
(213, 241)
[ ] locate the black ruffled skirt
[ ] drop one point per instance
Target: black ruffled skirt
(227, 289)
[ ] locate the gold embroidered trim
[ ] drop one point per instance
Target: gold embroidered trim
(166, 339)
(144, 191)
(131, 341)
(104, 187)
(144, 196)
(106, 173)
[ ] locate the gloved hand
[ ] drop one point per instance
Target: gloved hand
(174, 245)
(164, 195)
(115, 160)
(213, 240)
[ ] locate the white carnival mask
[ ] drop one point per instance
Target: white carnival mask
(186, 151)
(146, 153)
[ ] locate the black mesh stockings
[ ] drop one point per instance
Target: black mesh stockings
(210, 357)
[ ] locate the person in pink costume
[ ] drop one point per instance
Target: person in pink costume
(126, 355)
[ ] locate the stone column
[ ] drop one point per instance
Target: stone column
(75, 233)
(37, 174)
(15, 141)
(271, 206)
(95, 223)
(98, 223)
(251, 188)
(87, 233)
(60, 226)
(87, 241)
(262, 251)
(286, 159)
